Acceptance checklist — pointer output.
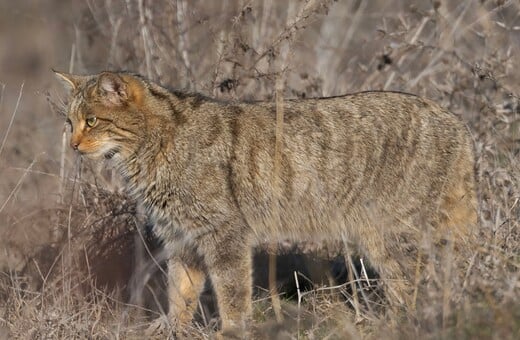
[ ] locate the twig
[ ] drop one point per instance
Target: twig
(352, 269)
(411, 42)
(17, 186)
(418, 266)
(364, 271)
(273, 290)
(435, 58)
(145, 36)
(299, 302)
(183, 41)
(2, 96)
(446, 294)
(12, 118)
(291, 28)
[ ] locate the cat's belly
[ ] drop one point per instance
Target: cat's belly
(297, 221)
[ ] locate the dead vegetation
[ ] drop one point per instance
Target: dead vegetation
(77, 259)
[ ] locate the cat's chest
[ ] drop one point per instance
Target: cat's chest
(170, 209)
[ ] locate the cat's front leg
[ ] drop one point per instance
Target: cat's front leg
(185, 283)
(186, 279)
(227, 255)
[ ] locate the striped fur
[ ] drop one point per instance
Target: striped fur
(382, 170)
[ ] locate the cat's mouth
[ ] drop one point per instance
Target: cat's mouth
(106, 152)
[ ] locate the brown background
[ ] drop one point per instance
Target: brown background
(463, 54)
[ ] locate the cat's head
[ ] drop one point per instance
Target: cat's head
(104, 113)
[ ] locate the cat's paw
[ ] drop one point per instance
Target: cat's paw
(160, 328)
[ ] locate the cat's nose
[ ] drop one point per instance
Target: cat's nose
(74, 145)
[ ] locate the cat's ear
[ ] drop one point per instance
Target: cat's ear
(112, 89)
(72, 81)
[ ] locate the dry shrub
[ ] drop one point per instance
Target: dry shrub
(460, 54)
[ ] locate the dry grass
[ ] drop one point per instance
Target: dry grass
(76, 260)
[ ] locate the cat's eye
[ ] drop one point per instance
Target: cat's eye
(91, 121)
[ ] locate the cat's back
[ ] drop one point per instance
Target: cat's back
(385, 148)
(363, 113)
(382, 130)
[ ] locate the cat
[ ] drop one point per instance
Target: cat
(380, 170)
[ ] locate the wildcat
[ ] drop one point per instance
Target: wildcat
(381, 170)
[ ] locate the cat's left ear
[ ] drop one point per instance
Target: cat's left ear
(112, 89)
(72, 81)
